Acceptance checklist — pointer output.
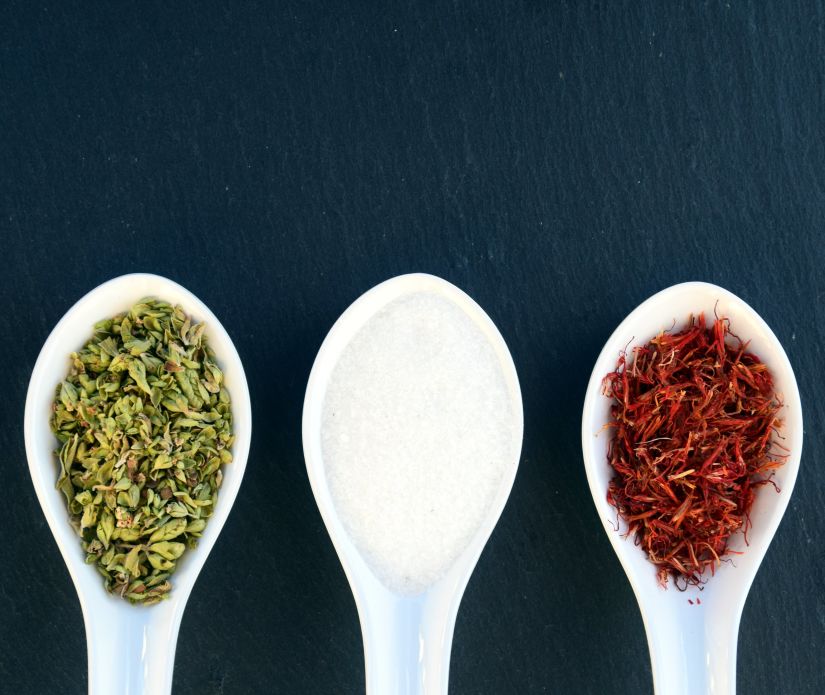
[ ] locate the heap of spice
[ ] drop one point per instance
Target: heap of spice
(145, 425)
(419, 429)
(693, 416)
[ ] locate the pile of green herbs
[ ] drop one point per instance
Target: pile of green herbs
(145, 424)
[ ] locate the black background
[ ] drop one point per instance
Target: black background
(559, 162)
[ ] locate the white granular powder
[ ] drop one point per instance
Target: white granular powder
(419, 427)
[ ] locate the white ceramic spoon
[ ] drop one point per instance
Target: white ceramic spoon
(131, 648)
(693, 647)
(407, 639)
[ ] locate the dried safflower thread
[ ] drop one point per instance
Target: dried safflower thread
(145, 425)
(693, 417)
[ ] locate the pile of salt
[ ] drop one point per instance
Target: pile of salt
(419, 426)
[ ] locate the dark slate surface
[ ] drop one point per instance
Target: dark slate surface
(560, 163)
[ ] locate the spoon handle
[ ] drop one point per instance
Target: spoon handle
(694, 653)
(407, 643)
(131, 649)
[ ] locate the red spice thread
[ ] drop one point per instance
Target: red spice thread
(693, 415)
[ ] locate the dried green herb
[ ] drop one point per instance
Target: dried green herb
(145, 425)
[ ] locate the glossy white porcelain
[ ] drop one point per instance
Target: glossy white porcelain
(131, 648)
(693, 647)
(407, 639)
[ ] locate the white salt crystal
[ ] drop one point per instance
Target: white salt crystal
(419, 426)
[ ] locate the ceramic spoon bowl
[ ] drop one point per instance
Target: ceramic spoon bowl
(407, 639)
(131, 648)
(693, 646)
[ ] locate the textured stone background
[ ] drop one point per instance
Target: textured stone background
(559, 162)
